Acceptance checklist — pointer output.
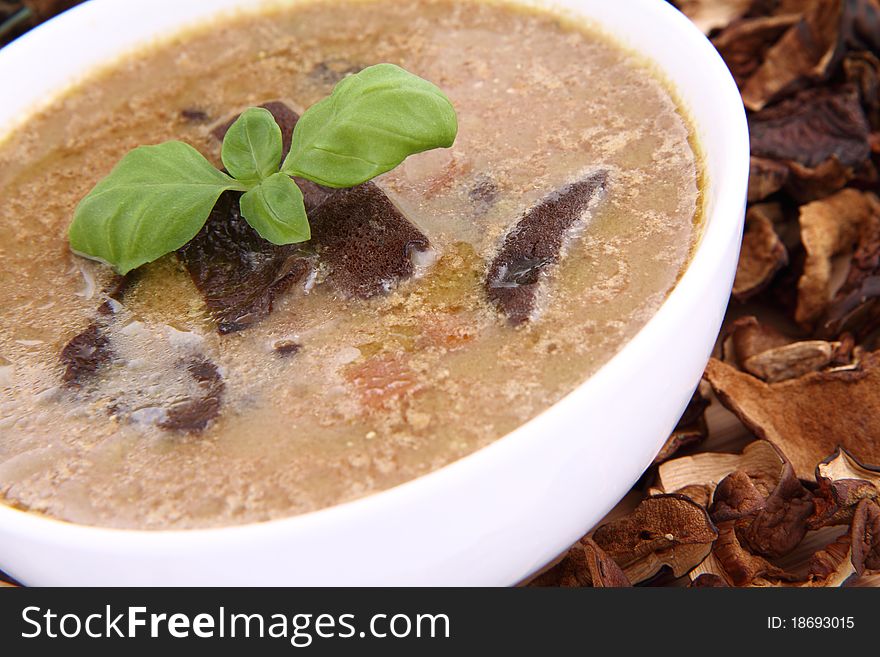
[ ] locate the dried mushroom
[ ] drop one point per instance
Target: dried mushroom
(741, 567)
(766, 353)
(792, 360)
(813, 126)
(807, 417)
(763, 253)
(806, 52)
(866, 537)
(760, 458)
(856, 306)
(770, 514)
(744, 44)
(664, 530)
(584, 565)
(830, 227)
(766, 177)
(806, 184)
(843, 483)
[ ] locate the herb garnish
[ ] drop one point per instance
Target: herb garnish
(157, 198)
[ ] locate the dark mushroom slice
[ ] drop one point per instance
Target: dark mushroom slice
(366, 242)
(192, 415)
(536, 242)
(812, 127)
(763, 253)
(90, 350)
(584, 565)
(85, 354)
(238, 273)
(809, 416)
(663, 531)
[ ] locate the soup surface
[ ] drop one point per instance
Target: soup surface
(122, 404)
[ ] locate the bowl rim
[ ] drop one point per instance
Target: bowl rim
(716, 234)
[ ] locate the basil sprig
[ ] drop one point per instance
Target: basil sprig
(157, 198)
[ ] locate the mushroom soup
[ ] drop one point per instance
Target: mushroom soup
(434, 309)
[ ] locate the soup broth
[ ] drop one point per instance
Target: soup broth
(129, 408)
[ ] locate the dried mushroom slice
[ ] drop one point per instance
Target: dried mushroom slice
(830, 227)
(771, 515)
(843, 483)
(853, 554)
(807, 417)
(806, 51)
(760, 458)
(866, 536)
(766, 177)
(747, 337)
(663, 531)
(813, 126)
(741, 567)
(744, 44)
(842, 465)
(763, 253)
(792, 360)
(806, 184)
(584, 565)
(856, 306)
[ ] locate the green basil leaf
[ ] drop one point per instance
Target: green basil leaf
(252, 146)
(153, 202)
(371, 122)
(275, 209)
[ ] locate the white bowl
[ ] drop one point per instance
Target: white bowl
(491, 518)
